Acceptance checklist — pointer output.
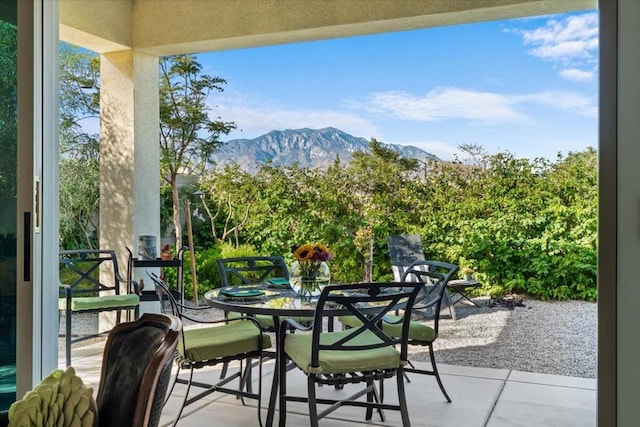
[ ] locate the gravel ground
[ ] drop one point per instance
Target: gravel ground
(550, 337)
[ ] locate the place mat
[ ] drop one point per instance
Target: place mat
(241, 293)
(278, 282)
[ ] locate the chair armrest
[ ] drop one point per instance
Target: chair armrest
(120, 279)
(67, 294)
(291, 324)
(390, 321)
(136, 287)
(182, 315)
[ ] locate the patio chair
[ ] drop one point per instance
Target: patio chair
(85, 293)
(403, 251)
(359, 355)
(435, 276)
(136, 370)
(136, 367)
(218, 343)
(254, 270)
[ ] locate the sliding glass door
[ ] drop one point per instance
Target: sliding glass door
(8, 208)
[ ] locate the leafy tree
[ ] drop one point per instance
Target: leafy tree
(80, 151)
(187, 135)
(523, 225)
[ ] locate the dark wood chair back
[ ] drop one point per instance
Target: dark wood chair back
(136, 369)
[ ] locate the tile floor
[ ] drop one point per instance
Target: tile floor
(481, 397)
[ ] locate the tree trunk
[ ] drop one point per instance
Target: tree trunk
(176, 211)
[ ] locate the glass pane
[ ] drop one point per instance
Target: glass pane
(8, 148)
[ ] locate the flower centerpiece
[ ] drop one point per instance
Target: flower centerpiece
(167, 253)
(310, 270)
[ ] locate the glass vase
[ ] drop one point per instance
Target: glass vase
(309, 285)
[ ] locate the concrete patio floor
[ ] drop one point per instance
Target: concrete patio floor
(481, 397)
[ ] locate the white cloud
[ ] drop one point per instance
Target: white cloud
(571, 42)
(567, 101)
(479, 106)
(444, 103)
(578, 75)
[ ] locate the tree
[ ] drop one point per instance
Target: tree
(80, 151)
(188, 136)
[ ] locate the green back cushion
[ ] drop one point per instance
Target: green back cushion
(417, 331)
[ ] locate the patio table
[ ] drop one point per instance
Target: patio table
(272, 300)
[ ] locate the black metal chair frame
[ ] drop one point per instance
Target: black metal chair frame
(403, 251)
(151, 375)
(353, 298)
(243, 374)
(435, 278)
(85, 263)
(251, 269)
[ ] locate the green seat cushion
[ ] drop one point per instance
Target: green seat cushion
(266, 321)
(106, 302)
(298, 348)
(215, 342)
(417, 331)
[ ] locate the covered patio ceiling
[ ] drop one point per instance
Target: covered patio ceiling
(169, 27)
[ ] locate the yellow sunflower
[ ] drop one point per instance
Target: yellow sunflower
(304, 252)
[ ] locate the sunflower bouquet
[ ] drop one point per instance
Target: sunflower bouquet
(310, 257)
(310, 271)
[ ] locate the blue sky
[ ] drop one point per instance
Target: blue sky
(528, 86)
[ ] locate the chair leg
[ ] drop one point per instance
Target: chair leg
(260, 391)
(247, 376)
(223, 372)
(244, 379)
(436, 374)
(406, 376)
(369, 412)
(313, 408)
(175, 380)
(67, 337)
(372, 396)
(282, 384)
(186, 396)
(402, 399)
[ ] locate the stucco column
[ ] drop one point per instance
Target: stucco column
(129, 151)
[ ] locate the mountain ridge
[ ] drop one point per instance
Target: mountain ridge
(306, 147)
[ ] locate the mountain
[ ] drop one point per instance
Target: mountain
(307, 147)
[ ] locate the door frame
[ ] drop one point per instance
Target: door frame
(37, 188)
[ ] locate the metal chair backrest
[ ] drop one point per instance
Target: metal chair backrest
(84, 266)
(403, 250)
(435, 276)
(370, 303)
(251, 269)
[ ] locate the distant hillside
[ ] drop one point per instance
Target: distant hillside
(307, 147)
